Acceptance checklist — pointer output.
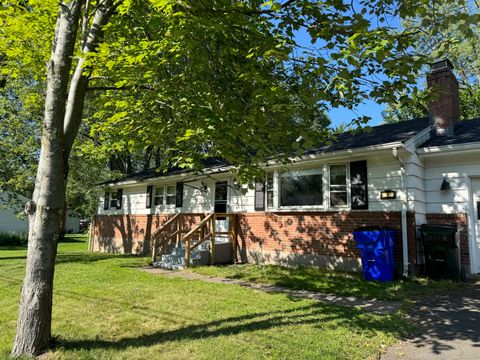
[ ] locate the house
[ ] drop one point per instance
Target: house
(72, 222)
(399, 176)
(10, 223)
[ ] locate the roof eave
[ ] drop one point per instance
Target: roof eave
(431, 151)
(174, 177)
(342, 153)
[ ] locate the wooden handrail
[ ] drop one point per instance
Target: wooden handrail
(197, 228)
(158, 231)
(169, 221)
(200, 241)
(187, 237)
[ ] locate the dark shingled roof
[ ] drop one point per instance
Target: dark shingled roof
(210, 165)
(466, 131)
(377, 135)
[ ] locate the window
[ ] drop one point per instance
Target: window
(116, 199)
(301, 188)
(113, 200)
(158, 198)
(171, 195)
(338, 185)
(270, 190)
(221, 196)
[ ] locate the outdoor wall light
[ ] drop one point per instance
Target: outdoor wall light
(388, 194)
(445, 185)
(203, 187)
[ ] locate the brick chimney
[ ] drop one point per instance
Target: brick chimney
(444, 106)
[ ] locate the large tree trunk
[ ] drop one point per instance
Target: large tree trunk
(46, 208)
(63, 113)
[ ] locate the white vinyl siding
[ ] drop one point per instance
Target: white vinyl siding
(383, 173)
(9, 222)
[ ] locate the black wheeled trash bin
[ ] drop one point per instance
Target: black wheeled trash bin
(442, 251)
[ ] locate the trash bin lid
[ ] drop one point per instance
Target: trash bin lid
(372, 228)
(450, 228)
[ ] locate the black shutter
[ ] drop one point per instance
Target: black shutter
(148, 204)
(119, 198)
(179, 195)
(106, 200)
(359, 185)
(259, 196)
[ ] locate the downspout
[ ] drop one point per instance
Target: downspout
(404, 212)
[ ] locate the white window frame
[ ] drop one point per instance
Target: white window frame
(311, 171)
(324, 170)
(347, 184)
(165, 195)
(157, 196)
(174, 195)
(272, 175)
(113, 200)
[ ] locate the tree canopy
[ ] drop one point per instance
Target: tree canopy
(190, 79)
(455, 36)
(221, 78)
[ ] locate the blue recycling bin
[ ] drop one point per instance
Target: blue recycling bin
(376, 248)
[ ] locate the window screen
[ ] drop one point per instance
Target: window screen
(338, 185)
(158, 199)
(171, 194)
(270, 191)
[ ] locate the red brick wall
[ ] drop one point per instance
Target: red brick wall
(297, 233)
(460, 220)
(317, 233)
(129, 233)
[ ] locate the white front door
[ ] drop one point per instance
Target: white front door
(476, 220)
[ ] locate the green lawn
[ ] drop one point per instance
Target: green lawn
(331, 282)
(104, 308)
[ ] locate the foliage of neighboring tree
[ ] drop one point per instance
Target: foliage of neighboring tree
(193, 79)
(21, 112)
(417, 106)
(456, 36)
(19, 137)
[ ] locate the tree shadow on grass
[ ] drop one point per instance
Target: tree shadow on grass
(13, 247)
(73, 239)
(89, 257)
(320, 316)
(14, 257)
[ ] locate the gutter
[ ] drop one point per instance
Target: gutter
(445, 149)
(173, 177)
(404, 212)
(360, 151)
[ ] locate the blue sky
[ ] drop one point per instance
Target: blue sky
(369, 108)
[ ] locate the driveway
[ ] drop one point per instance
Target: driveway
(449, 328)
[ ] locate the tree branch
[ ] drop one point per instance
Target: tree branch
(79, 82)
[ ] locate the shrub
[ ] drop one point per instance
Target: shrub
(13, 239)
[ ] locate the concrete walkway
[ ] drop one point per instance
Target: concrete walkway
(374, 306)
(449, 328)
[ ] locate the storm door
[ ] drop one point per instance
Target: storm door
(221, 191)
